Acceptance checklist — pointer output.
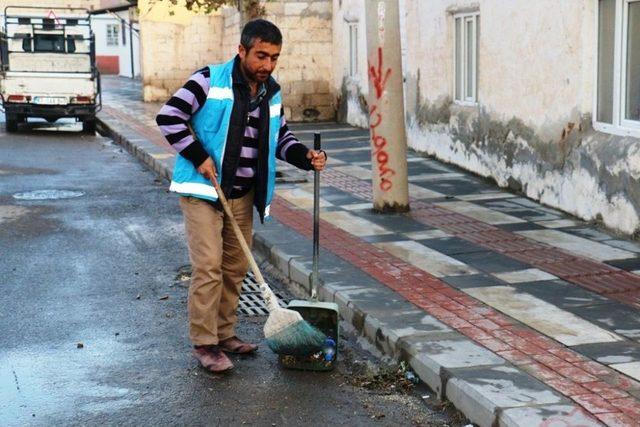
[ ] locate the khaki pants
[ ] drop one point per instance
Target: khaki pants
(218, 266)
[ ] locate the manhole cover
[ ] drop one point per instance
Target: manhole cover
(47, 195)
(251, 302)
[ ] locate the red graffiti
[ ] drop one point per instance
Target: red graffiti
(379, 79)
(379, 82)
(381, 156)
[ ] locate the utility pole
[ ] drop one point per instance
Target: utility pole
(386, 107)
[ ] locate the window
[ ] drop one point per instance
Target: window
(48, 43)
(617, 103)
(26, 41)
(353, 49)
(113, 34)
(466, 57)
(71, 42)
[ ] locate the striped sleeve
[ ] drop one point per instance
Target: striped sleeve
(290, 149)
(176, 113)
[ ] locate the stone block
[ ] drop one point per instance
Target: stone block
(295, 8)
(386, 329)
(300, 271)
(432, 359)
(547, 415)
(482, 393)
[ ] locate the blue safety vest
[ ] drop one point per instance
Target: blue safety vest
(211, 125)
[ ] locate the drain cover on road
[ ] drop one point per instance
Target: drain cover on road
(47, 195)
(251, 302)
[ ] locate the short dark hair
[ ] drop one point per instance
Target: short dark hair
(261, 29)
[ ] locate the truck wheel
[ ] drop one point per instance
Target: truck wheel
(89, 126)
(12, 123)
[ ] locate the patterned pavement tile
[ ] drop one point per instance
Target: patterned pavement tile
(472, 281)
(479, 213)
(614, 316)
(353, 224)
(611, 353)
(528, 275)
(631, 369)
(542, 316)
(578, 245)
(491, 262)
(558, 223)
(426, 259)
(451, 245)
(562, 294)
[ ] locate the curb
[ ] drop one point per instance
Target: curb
(483, 386)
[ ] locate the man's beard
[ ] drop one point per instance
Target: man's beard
(254, 77)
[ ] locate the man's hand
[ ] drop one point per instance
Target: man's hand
(208, 169)
(318, 159)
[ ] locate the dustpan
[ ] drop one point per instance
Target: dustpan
(322, 315)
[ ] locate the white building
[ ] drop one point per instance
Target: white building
(114, 32)
(541, 96)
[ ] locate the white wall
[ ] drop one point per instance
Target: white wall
(123, 51)
(351, 89)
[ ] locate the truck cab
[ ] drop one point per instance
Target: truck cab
(48, 66)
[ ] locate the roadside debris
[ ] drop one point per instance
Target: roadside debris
(80, 345)
(164, 297)
(386, 379)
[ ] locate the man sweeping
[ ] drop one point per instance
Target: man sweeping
(235, 110)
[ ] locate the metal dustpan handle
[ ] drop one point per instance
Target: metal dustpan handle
(316, 223)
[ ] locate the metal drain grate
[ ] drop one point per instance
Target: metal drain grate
(251, 302)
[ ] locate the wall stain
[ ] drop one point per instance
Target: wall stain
(577, 147)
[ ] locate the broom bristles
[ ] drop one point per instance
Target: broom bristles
(297, 340)
(287, 333)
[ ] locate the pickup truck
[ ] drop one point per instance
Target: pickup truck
(48, 66)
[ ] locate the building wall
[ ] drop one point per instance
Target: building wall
(306, 63)
(531, 129)
(174, 46)
(119, 55)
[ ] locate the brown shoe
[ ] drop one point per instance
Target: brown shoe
(235, 345)
(212, 359)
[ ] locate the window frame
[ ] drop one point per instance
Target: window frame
(464, 17)
(114, 37)
(619, 125)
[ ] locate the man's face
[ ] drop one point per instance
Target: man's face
(259, 62)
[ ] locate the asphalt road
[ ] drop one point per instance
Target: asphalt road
(93, 312)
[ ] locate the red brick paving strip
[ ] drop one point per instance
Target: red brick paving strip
(601, 391)
(598, 277)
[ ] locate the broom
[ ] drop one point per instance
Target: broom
(286, 332)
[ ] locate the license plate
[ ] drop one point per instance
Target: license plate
(49, 100)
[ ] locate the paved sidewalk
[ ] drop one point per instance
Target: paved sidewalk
(515, 312)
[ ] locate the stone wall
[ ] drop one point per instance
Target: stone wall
(305, 68)
(174, 43)
(173, 46)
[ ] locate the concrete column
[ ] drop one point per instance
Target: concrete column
(386, 109)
